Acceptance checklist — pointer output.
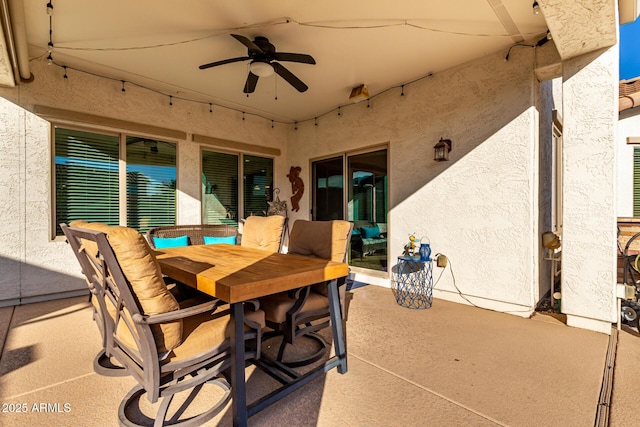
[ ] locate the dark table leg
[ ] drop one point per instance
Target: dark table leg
(336, 326)
(238, 386)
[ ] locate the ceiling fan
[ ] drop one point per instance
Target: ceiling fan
(264, 61)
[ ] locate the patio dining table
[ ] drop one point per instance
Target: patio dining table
(236, 274)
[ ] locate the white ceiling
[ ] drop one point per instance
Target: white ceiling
(383, 44)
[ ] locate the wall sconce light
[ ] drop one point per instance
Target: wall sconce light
(441, 150)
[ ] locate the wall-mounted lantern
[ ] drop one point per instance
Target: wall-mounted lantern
(441, 150)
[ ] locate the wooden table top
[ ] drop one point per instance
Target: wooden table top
(235, 273)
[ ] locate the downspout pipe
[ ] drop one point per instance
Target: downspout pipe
(19, 34)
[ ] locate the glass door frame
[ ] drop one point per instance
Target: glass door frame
(345, 193)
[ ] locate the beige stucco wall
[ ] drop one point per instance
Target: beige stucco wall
(32, 264)
(480, 208)
(589, 189)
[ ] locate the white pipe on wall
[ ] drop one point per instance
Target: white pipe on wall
(19, 34)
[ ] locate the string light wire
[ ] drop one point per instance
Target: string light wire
(226, 31)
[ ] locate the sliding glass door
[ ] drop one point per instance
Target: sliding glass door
(365, 202)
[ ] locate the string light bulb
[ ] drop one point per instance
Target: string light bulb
(50, 46)
(65, 72)
(536, 8)
(49, 59)
(210, 107)
(170, 100)
(49, 8)
(123, 86)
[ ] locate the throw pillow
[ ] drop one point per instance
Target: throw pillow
(370, 232)
(170, 242)
(210, 240)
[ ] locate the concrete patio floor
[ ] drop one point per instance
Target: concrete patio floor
(448, 365)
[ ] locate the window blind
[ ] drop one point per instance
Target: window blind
(219, 188)
(151, 183)
(86, 167)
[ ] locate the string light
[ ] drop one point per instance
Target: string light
(339, 111)
(295, 125)
(402, 94)
(271, 124)
(50, 44)
(65, 72)
(368, 103)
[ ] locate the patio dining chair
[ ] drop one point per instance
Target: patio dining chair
(166, 348)
(264, 232)
(305, 311)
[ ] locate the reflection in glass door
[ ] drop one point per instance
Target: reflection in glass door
(365, 201)
(328, 189)
(367, 209)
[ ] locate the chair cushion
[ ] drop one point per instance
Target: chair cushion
(170, 242)
(277, 305)
(202, 333)
(323, 239)
(143, 272)
(263, 232)
(210, 240)
(90, 246)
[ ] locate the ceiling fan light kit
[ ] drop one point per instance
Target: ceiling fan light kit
(359, 93)
(261, 69)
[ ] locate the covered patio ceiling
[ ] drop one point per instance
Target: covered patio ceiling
(160, 45)
(377, 43)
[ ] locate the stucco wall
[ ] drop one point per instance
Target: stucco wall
(628, 126)
(480, 208)
(589, 188)
(31, 263)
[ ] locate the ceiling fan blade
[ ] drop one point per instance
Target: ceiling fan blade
(295, 57)
(289, 77)
(250, 85)
(248, 43)
(224, 61)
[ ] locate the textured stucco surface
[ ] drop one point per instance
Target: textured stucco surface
(589, 235)
(567, 20)
(480, 208)
(32, 263)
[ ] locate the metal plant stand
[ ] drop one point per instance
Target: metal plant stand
(413, 282)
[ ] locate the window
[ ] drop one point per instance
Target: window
(88, 179)
(151, 183)
(223, 202)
